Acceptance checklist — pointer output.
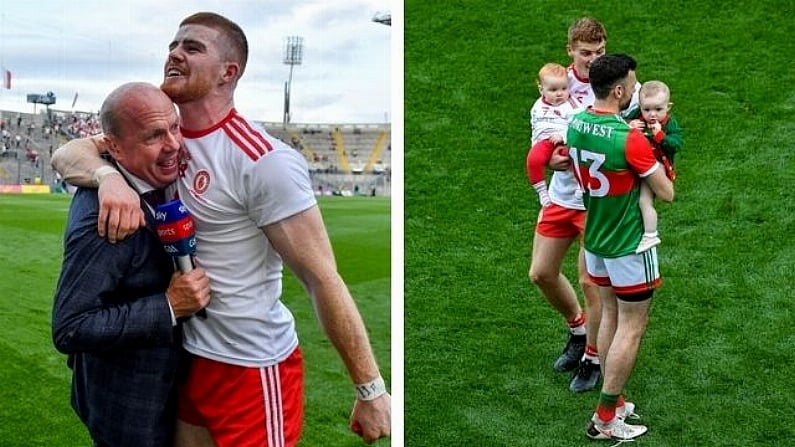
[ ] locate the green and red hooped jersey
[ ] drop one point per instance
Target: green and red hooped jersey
(610, 158)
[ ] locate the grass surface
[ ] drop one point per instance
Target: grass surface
(36, 381)
(715, 368)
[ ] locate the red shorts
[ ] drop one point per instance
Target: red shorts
(560, 222)
(243, 406)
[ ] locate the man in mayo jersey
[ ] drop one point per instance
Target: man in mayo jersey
(610, 158)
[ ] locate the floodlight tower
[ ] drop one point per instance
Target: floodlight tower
(293, 54)
(384, 18)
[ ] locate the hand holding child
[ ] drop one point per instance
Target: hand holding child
(637, 124)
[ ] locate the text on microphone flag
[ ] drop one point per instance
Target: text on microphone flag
(182, 247)
(174, 231)
(171, 211)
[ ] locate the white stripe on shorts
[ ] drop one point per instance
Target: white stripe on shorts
(272, 395)
(650, 265)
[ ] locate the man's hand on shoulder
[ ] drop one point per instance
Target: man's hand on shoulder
(120, 212)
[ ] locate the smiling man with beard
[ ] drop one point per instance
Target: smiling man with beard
(252, 202)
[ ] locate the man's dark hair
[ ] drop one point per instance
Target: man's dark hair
(607, 71)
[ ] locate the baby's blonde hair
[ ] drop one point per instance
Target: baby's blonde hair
(551, 69)
(650, 88)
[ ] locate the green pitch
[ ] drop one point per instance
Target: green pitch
(35, 407)
(716, 365)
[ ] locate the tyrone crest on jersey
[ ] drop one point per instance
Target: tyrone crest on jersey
(201, 181)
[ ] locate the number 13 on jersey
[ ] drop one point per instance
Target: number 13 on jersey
(586, 168)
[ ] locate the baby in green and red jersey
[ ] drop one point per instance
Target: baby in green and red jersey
(665, 136)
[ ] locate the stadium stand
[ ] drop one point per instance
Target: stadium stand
(26, 147)
(344, 159)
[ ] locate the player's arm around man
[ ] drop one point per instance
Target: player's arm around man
(304, 245)
(120, 213)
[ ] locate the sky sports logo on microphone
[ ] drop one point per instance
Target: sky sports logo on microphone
(171, 231)
(163, 211)
(175, 228)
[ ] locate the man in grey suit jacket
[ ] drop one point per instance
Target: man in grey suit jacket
(117, 306)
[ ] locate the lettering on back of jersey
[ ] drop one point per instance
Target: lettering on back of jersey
(597, 130)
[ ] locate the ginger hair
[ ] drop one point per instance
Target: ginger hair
(587, 30)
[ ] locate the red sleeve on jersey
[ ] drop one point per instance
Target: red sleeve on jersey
(640, 155)
(537, 160)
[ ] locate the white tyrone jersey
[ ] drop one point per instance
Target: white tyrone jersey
(564, 190)
(547, 120)
(579, 88)
(238, 179)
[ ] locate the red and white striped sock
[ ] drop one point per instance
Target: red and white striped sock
(577, 325)
(591, 354)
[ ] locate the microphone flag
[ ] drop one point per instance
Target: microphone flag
(175, 229)
(176, 232)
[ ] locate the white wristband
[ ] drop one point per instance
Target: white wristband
(371, 390)
(101, 172)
